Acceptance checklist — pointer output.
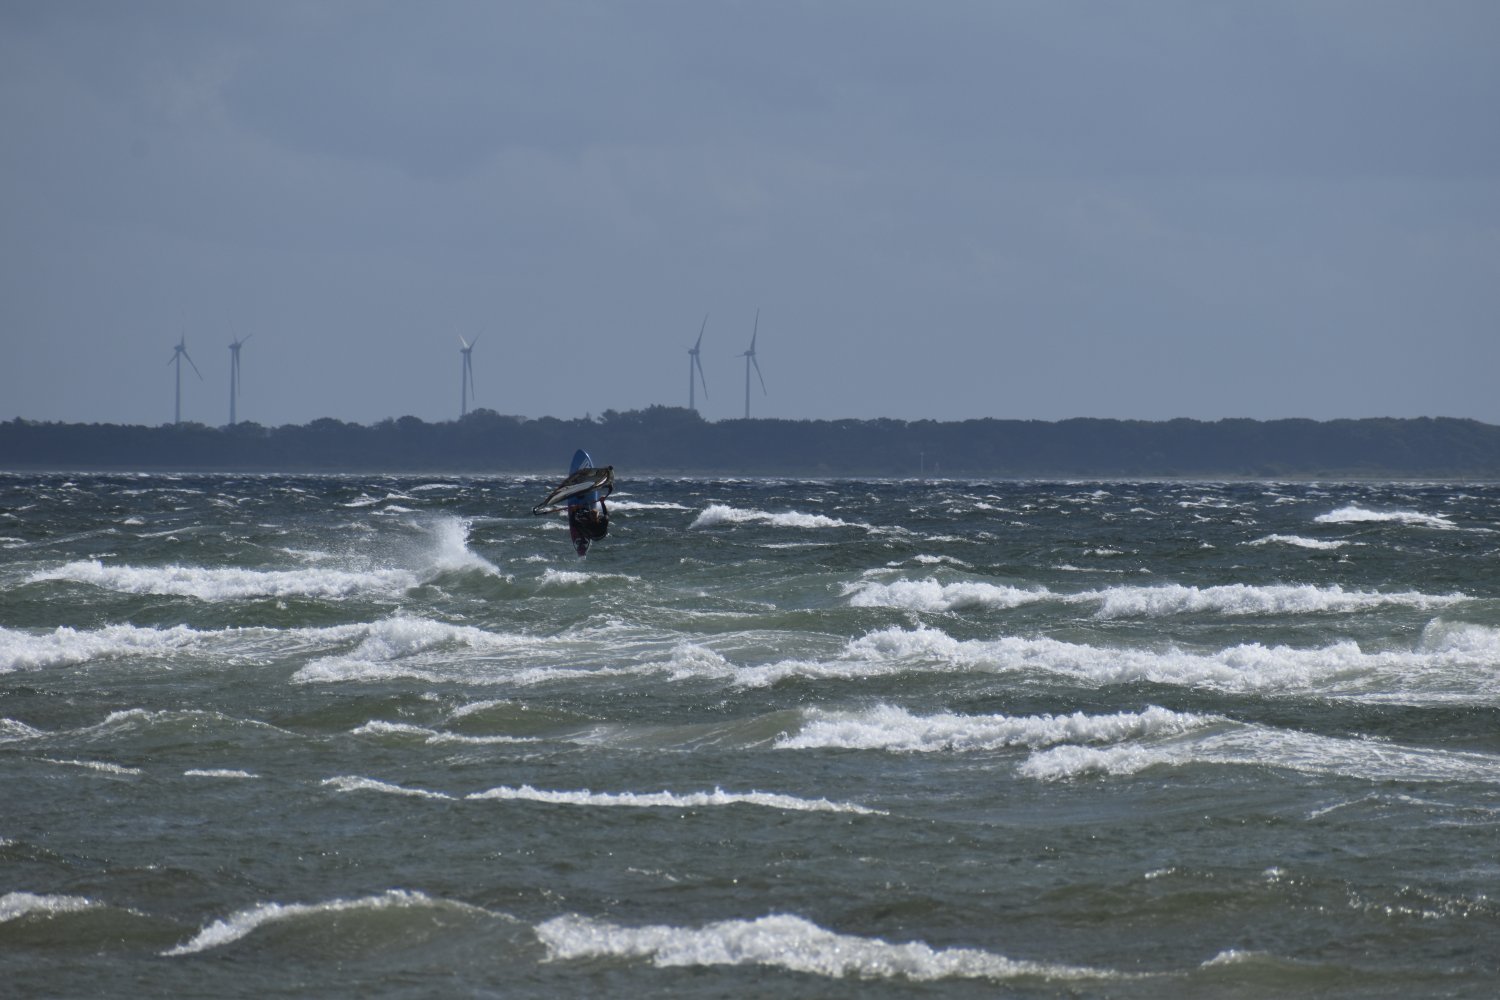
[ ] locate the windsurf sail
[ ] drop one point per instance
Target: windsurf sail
(585, 480)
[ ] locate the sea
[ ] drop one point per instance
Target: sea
(389, 736)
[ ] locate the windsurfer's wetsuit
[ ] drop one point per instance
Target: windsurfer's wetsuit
(587, 525)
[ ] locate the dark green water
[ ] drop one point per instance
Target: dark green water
(388, 736)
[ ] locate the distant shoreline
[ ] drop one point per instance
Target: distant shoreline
(670, 442)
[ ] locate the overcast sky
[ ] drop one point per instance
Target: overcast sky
(942, 210)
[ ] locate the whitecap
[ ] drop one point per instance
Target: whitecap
(1299, 541)
(16, 905)
(717, 514)
(244, 922)
(232, 583)
(1265, 746)
(891, 728)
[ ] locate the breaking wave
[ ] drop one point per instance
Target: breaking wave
(1146, 602)
(792, 943)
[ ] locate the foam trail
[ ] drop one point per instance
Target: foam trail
(789, 942)
(718, 797)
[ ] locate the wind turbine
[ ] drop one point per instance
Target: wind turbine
(234, 374)
(178, 353)
(694, 362)
(749, 357)
(466, 381)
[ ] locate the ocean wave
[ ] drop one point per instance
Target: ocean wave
(1449, 663)
(1299, 542)
(931, 595)
(434, 737)
(444, 549)
(887, 727)
(671, 800)
(393, 647)
(65, 646)
(19, 905)
(229, 584)
(242, 923)
(628, 800)
(793, 943)
(1266, 747)
(717, 514)
(1355, 514)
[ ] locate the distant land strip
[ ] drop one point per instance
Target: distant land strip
(667, 440)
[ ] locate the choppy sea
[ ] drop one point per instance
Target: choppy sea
(388, 736)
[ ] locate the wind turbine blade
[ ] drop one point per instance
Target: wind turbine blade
(701, 377)
(756, 333)
(762, 377)
(195, 367)
(700, 334)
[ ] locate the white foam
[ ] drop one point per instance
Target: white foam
(788, 942)
(672, 800)
(16, 905)
(717, 514)
(888, 727)
(1299, 542)
(217, 772)
(243, 922)
(1355, 514)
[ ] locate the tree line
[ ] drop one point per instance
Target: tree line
(675, 440)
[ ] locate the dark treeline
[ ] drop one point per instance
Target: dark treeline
(669, 440)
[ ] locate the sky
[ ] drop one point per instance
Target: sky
(939, 210)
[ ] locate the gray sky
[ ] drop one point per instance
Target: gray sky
(943, 210)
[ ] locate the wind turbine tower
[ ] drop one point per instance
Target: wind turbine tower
(234, 374)
(695, 363)
(466, 381)
(749, 357)
(178, 353)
